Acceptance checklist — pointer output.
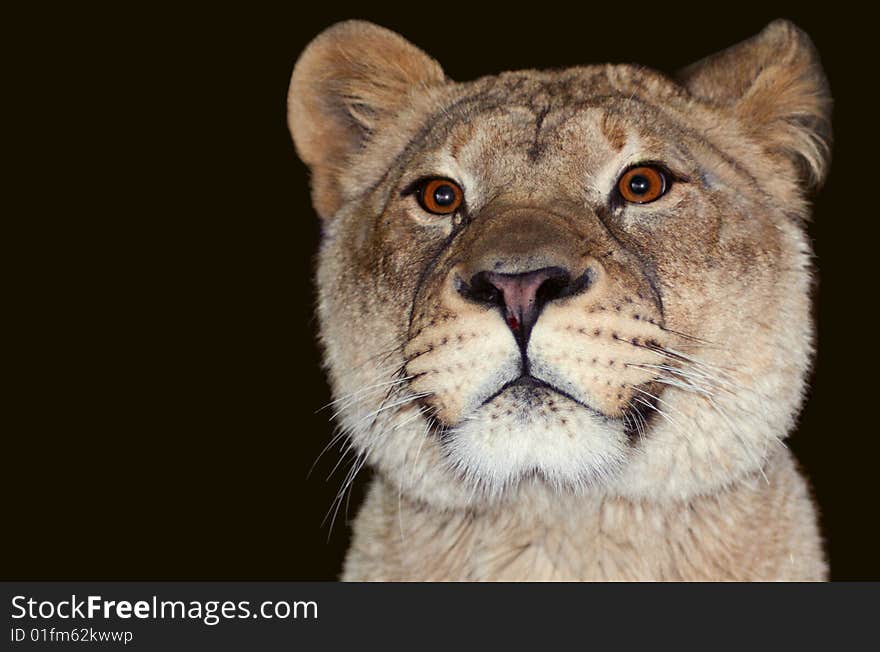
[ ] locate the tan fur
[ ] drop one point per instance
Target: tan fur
(747, 533)
(674, 373)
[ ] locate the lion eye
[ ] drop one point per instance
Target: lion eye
(642, 184)
(440, 196)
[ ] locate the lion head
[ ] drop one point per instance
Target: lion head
(594, 278)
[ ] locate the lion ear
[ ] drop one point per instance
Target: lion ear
(347, 83)
(775, 85)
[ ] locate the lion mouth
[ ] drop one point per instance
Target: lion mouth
(532, 390)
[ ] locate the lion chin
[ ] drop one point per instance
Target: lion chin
(566, 314)
(531, 430)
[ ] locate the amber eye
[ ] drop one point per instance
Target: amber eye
(642, 184)
(440, 196)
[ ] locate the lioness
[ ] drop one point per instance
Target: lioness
(566, 314)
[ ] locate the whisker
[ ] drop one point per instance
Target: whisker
(678, 355)
(398, 403)
(692, 375)
(345, 451)
(686, 336)
(658, 411)
(369, 388)
(687, 387)
(659, 401)
(339, 433)
(355, 468)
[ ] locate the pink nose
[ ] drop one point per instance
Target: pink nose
(520, 293)
(522, 296)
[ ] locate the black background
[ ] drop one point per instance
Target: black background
(163, 376)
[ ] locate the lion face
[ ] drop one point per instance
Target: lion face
(588, 279)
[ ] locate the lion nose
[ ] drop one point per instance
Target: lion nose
(522, 296)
